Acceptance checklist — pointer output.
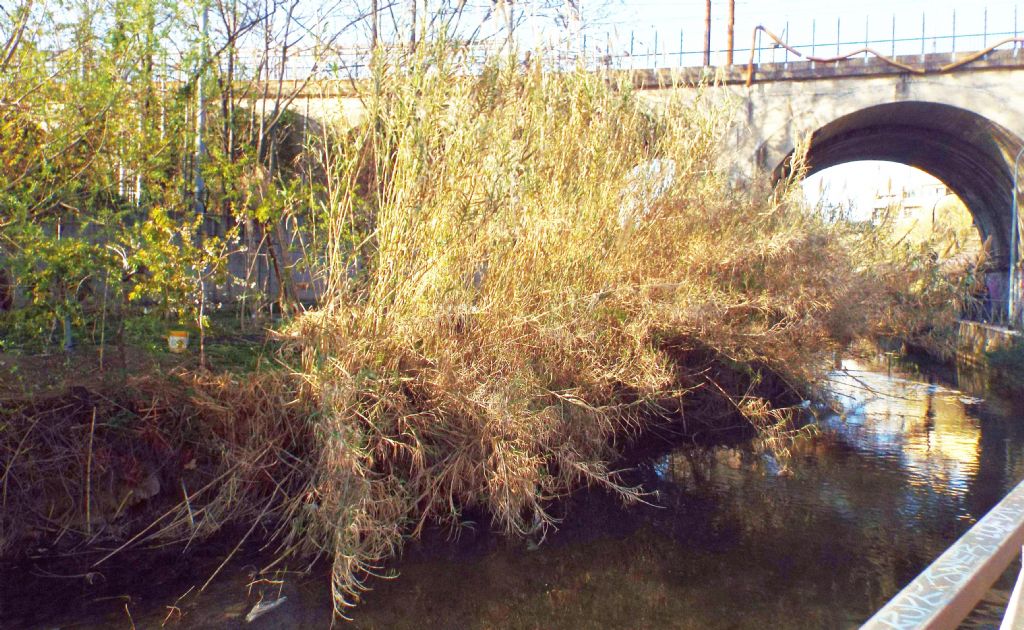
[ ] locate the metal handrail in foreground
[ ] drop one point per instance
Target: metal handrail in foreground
(1014, 617)
(948, 590)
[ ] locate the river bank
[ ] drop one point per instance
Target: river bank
(909, 464)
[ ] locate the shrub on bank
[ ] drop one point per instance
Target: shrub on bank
(522, 303)
(507, 304)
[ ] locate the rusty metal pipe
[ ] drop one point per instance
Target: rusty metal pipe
(867, 50)
(729, 32)
(707, 33)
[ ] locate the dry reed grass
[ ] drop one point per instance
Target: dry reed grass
(517, 287)
(90, 468)
(511, 299)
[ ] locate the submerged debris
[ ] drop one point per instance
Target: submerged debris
(263, 607)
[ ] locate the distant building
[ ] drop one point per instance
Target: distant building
(929, 214)
(908, 203)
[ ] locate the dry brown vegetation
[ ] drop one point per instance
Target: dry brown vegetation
(511, 298)
(531, 289)
(91, 467)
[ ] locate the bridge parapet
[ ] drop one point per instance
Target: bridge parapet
(929, 64)
(657, 79)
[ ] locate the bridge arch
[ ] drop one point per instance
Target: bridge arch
(968, 152)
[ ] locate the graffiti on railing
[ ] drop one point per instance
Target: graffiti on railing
(946, 592)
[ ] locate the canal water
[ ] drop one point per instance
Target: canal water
(729, 539)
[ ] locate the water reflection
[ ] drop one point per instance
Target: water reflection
(925, 427)
(905, 467)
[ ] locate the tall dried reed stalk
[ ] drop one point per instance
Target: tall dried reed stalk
(527, 264)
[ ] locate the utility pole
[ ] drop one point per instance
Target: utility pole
(373, 25)
(509, 21)
(1012, 294)
(732, 24)
(707, 33)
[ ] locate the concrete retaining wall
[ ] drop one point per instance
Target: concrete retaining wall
(977, 339)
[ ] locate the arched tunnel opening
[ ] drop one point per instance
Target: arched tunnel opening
(918, 208)
(972, 155)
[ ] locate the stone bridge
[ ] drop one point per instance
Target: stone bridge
(964, 126)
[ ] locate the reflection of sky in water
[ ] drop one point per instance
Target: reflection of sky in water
(899, 452)
(926, 428)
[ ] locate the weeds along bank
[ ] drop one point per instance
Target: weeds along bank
(525, 268)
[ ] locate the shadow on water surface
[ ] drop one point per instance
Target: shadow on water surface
(726, 542)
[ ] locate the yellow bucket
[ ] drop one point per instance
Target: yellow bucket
(177, 341)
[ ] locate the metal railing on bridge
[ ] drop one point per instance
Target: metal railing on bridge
(655, 50)
(642, 50)
(660, 48)
(650, 51)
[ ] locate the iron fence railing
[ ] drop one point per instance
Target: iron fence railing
(988, 310)
(637, 54)
(647, 53)
(655, 48)
(661, 48)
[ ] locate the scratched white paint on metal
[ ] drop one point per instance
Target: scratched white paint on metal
(946, 592)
